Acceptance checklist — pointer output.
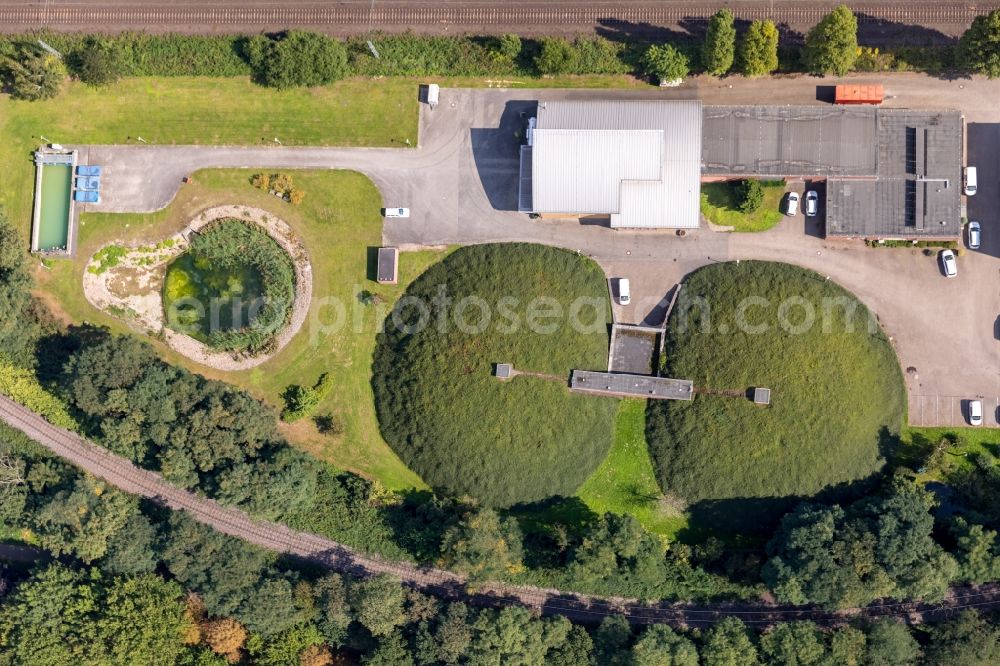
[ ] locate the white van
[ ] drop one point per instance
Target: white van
(624, 294)
(969, 178)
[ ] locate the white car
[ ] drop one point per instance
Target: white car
(948, 263)
(624, 293)
(792, 205)
(976, 412)
(975, 235)
(395, 212)
(812, 203)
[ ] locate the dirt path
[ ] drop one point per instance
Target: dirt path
(332, 555)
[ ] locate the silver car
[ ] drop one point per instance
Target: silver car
(812, 203)
(974, 235)
(976, 412)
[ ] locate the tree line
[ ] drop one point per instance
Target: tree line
(299, 58)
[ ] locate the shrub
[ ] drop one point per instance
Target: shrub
(296, 195)
(98, 63)
(261, 181)
(297, 58)
(759, 50)
(556, 56)
(750, 195)
(665, 63)
(300, 401)
(508, 48)
(719, 47)
(832, 44)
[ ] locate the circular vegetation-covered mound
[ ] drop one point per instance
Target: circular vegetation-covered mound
(836, 389)
(541, 309)
(232, 289)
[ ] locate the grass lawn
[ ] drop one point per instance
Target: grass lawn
(625, 482)
(971, 442)
(458, 426)
(338, 223)
(196, 110)
(719, 206)
(837, 393)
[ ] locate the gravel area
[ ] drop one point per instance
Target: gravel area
(133, 289)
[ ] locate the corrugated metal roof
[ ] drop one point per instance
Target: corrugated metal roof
(599, 157)
(581, 170)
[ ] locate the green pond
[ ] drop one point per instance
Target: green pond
(53, 227)
(201, 297)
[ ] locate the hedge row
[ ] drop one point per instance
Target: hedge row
(417, 55)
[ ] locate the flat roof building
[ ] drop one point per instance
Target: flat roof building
(890, 173)
(636, 162)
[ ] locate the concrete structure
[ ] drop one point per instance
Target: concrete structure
(762, 396)
(637, 163)
(631, 386)
(504, 371)
(388, 265)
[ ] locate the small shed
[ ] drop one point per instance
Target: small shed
(433, 94)
(388, 265)
(859, 94)
(762, 396)
(504, 371)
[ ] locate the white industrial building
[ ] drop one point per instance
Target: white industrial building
(637, 163)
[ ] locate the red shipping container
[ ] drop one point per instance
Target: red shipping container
(859, 94)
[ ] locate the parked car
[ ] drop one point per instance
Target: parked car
(792, 205)
(974, 235)
(976, 412)
(395, 212)
(969, 181)
(812, 203)
(948, 263)
(624, 293)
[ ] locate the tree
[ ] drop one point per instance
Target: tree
(269, 607)
(832, 44)
(32, 73)
(659, 645)
(967, 640)
(297, 58)
(847, 647)
(611, 641)
(508, 48)
(143, 620)
(665, 63)
(391, 651)
(728, 643)
(976, 552)
(719, 48)
(556, 56)
(132, 549)
(615, 546)
(576, 650)
(452, 638)
(759, 49)
(82, 521)
(890, 643)
(482, 546)
(979, 48)
(330, 597)
(98, 63)
(793, 644)
(513, 636)
(378, 604)
(880, 547)
(750, 195)
(224, 636)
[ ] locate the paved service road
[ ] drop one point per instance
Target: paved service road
(318, 550)
(460, 185)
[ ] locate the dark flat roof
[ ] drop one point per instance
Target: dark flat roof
(789, 141)
(918, 187)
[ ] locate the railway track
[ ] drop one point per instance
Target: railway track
(395, 17)
(334, 556)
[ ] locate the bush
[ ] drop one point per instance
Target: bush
(665, 63)
(297, 59)
(979, 48)
(556, 56)
(98, 63)
(508, 48)
(750, 195)
(300, 401)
